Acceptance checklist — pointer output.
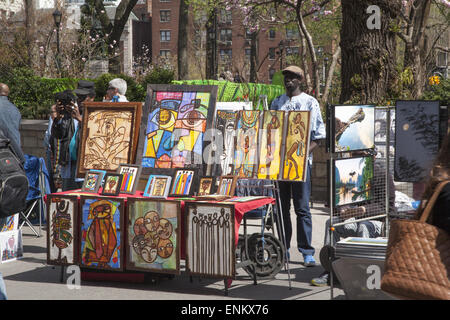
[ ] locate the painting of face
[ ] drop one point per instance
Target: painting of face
(112, 184)
(155, 247)
(205, 186)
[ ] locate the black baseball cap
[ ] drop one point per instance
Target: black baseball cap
(84, 87)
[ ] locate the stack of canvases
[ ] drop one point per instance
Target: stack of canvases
(10, 239)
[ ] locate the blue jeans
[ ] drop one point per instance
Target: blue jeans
(300, 193)
(3, 295)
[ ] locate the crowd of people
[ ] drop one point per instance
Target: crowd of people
(63, 135)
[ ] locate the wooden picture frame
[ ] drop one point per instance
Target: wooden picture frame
(62, 230)
(111, 187)
(158, 186)
(109, 135)
(92, 181)
(153, 235)
(227, 185)
(206, 186)
(182, 183)
(187, 108)
(106, 215)
(210, 254)
(130, 177)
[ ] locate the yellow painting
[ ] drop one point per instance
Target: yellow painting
(297, 146)
(271, 137)
(108, 141)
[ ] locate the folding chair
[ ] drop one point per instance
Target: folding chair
(38, 187)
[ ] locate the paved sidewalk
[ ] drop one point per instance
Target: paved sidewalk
(30, 278)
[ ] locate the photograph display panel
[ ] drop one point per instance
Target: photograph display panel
(353, 178)
(153, 235)
(101, 233)
(246, 148)
(62, 231)
(416, 139)
(210, 243)
(172, 133)
(270, 141)
(109, 135)
(353, 127)
(296, 148)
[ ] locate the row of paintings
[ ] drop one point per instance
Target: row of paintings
(263, 144)
(99, 235)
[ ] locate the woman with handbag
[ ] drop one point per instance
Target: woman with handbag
(417, 264)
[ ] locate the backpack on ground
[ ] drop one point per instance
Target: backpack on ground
(13, 180)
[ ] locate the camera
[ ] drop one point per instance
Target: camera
(66, 98)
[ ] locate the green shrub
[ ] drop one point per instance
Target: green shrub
(159, 75)
(439, 92)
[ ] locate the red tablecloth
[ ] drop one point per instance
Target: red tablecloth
(240, 208)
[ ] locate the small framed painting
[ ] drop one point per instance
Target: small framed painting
(157, 186)
(112, 184)
(227, 185)
(92, 181)
(182, 182)
(130, 177)
(206, 186)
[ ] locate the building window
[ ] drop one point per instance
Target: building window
(292, 51)
(292, 33)
(248, 53)
(164, 53)
(225, 55)
(271, 53)
(165, 0)
(272, 34)
(271, 73)
(164, 15)
(226, 35)
(226, 16)
(164, 35)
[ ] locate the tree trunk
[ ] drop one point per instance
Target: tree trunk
(254, 57)
(368, 55)
(326, 90)
(182, 57)
(29, 28)
(211, 46)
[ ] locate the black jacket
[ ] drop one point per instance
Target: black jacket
(62, 130)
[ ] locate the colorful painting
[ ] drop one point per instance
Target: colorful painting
(271, 136)
(224, 137)
(227, 185)
(173, 132)
(153, 229)
(354, 128)
(109, 135)
(182, 182)
(419, 129)
(353, 180)
(92, 181)
(296, 149)
(11, 247)
(205, 186)
(101, 232)
(130, 177)
(9, 223)
(62, 216)
(112, 184)
(210, 240)
(157, 186)
(246, 149)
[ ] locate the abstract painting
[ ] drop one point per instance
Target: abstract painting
(101, 233)
(62, 240)
(296, 148)
(11, 247)
(417, 139)
(109, 135)
(353, 179)
(210, 240)
(181, 183)
(354, 127)
(130, 177)
(112, 184)
(92, 181)
(9, 223)
(227, 185)
(224, 138)
(205, 186)
(153, 233)
(158, 186)
(246, 149)
(271, 135)
(173, 128)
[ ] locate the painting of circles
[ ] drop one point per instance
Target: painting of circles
(153, 240)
